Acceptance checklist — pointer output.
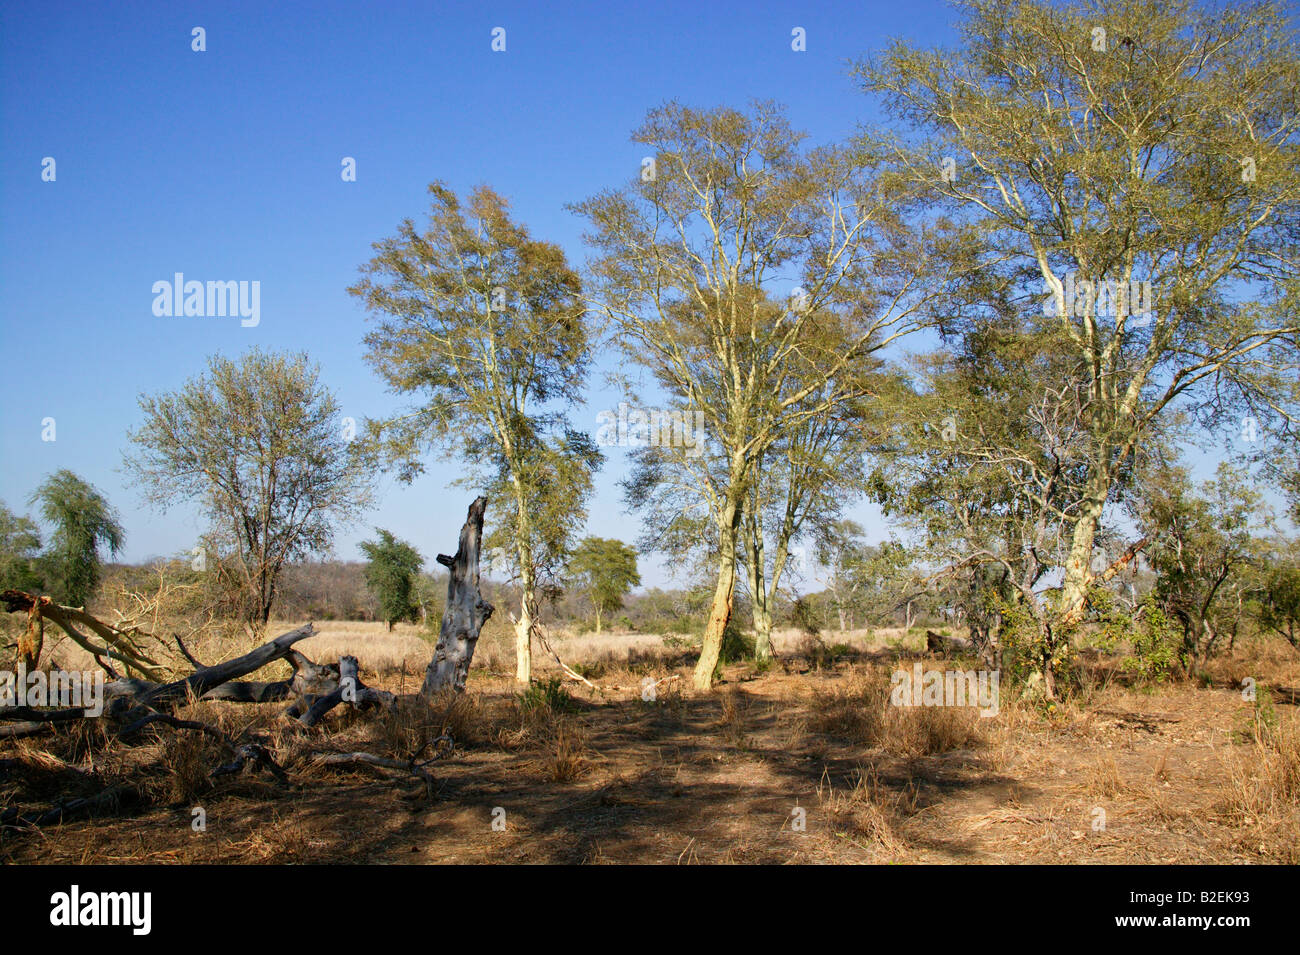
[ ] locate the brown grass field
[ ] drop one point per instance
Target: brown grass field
(1184, 772)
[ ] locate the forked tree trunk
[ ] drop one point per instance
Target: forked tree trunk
(466, 610)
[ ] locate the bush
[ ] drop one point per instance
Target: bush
(549, 695)
(1154, 641)
(737, 645)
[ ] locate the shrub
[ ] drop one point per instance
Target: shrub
(548, 695)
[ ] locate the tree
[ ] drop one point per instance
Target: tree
(983, 468)
(1279, 594)
(429, 592)
(801, 486)
(605, 570)
(1205, 545)
(83, 522)
(867, 582)
(20, 545)
(390, 575)
(486, 325)
(730, 211)
(1135, 163)
(259, 444)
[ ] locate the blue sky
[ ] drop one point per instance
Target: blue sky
(225, 164)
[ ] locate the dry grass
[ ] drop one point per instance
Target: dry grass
(861, 711)
(1263, 791)
(871, 815)
(608, 776)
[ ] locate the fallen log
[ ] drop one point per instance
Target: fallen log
(466, 610)
(350, 689)
(412, 766)
(308, 679)
(208, 678)
(111, 799)
(253, 757)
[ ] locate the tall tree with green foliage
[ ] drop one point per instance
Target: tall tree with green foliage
(866, 583)
(391, 570)
(485, 327)
(1278, 592)
(82, 523)
(259, 444)
(694, 265)
(605, 570)
(1134, 169)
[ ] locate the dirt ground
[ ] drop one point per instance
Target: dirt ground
(805, 763)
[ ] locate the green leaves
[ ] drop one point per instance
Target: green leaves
(391, 572)
(260, 445)
(605, 570)
(83, 522)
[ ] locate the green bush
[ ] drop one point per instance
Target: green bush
(547, 695)
(736, 645)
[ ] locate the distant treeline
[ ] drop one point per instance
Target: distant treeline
(336, 590)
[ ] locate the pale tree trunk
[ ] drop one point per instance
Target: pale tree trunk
(466, 610)
(528, 598)
(758, 595)
(1074, 586)
(524, 631)
(1077, 578)
(723, 596)
(763, 631)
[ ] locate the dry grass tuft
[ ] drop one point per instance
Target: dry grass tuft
(567, 759)
(861, 712)
(1263, 792)
(871, 815)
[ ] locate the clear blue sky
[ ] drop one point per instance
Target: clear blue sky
(225, 164)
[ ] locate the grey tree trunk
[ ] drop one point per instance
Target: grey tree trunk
(466, 611)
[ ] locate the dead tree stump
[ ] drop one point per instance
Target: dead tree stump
(466, 611)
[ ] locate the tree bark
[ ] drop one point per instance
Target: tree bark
(211, 677)
(350, 690)
(1074, 585)
(723, 598)
(466, 610)
(762, 631)
(524, 638)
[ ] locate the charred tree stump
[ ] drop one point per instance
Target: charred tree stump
(466, 611)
